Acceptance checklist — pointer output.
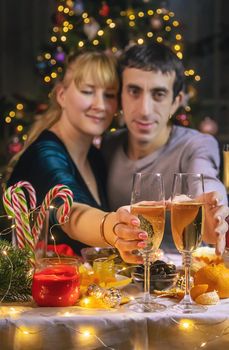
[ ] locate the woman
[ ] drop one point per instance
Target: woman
(59, 147)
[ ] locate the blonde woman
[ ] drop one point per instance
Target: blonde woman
(59, 151)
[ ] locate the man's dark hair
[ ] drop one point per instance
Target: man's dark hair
(154, 57)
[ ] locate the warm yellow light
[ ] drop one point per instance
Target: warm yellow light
(159, 11)
(171, 14)
(71, 13)
(112, 25)
(7, 119)
(203, 344)
(4, 252)
(70, 27)
(66, 23)
(150, 12)
(186, 324)
(186, 73)
(165, 17)
(24, 137)
(19, 128)
(150, 34)
(159, 39)
(178, 37)
(176, 23)
(168, 29)
(80, 43)
(114, 49)
(60, 69)
(47, 56)
(66, 10)
(86, 20)
(109, 20)
(55, 29)
(60, 8)
(177, 47)
(86, 334)
(131, 23)
(191, 72)
(197, 78)
(141, 14)
(54, 39)
(100, 32)
(86, 301)
(131, 17)
(188, 108)
(65, 29)
(122, 13)
(85, 15)
(140, 41)
(19, 106)
(63, 38)
(95, 42)
(53, 62)
(12, 114)
(180, 55)
(47, 79)
(53, 75)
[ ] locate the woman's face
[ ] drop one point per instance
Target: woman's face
(88, 108)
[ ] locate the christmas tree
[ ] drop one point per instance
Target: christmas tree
(109, 25)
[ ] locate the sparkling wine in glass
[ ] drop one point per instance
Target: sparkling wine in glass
(148, 204)
(187, 218)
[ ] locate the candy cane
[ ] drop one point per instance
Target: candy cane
(15, 204)
(62, 192)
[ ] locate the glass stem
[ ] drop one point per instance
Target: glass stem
(187, 259)
(146, 257)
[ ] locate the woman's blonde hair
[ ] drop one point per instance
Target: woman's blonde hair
(101, 67)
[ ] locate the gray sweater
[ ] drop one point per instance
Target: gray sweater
(187, 150)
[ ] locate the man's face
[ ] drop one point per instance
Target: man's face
(147, 103)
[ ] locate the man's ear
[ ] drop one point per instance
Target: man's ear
(177, 102)
(60, 94)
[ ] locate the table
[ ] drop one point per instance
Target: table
(26, 327)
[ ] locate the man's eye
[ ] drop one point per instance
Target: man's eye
(133, 91)
(159, 95)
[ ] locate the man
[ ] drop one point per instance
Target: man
(152, 83)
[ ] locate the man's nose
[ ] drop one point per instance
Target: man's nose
(145, 106)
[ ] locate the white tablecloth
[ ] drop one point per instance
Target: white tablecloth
(33, 328)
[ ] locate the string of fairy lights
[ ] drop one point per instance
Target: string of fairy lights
(88, 333)
(161, 24)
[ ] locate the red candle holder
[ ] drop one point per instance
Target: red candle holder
(56, 282)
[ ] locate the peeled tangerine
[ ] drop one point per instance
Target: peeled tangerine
(217, 278)
(210, 298)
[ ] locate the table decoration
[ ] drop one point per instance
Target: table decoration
(56, 282)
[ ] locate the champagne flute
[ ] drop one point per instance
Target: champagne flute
(187, 218)
(148, 204)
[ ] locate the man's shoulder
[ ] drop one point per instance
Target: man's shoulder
(189, 135)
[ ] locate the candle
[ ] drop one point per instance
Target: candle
(56, 283)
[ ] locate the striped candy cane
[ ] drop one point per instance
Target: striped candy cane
(62, 192)
(15, 204)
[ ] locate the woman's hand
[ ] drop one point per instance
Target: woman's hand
(215, 226)
(129, 236)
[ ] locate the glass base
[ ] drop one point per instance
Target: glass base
(188, 307)
(145, 305)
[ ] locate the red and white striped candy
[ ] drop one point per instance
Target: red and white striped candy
(58, 191)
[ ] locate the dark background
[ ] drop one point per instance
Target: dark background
(25, 28)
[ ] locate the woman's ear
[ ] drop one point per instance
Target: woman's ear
(60, 94)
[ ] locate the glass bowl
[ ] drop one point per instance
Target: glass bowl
(157, 282)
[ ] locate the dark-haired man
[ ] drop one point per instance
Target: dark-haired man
(152, 83)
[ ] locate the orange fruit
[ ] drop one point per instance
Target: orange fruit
(210, 298)
(197, 290)
(217, 278)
